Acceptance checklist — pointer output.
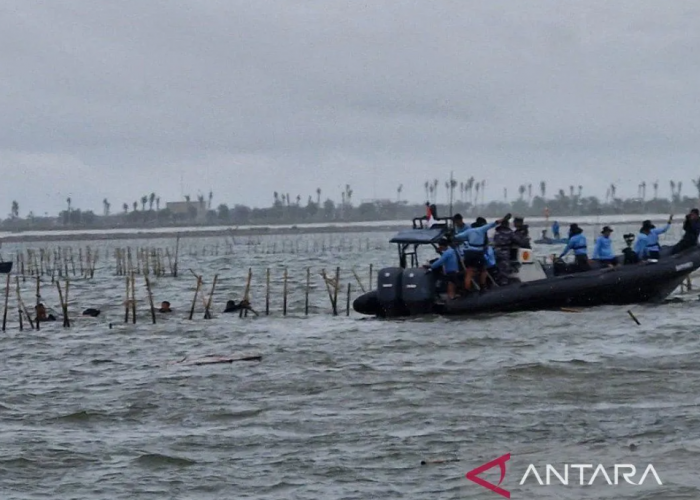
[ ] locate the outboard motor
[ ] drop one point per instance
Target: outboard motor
(418, 290)
(389, 292)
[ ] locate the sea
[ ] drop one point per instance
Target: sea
(339, 406)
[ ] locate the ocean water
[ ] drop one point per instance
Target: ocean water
(339, 407)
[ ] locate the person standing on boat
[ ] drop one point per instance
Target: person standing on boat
(602, 251)
(691, 226)
(647, 245)
(503, 242)
(577, 243)
(475, 239)
(555, 230)
(449, 262)
(521, 235)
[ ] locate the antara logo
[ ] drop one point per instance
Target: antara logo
(619, 474)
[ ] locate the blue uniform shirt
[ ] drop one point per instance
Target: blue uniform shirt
(603, 249)
(578, 244)
(447, 259)
(490, 257)
(555, 229)
(640, 246)
(653, 237)
(475, 237)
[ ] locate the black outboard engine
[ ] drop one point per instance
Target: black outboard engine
(418, 290)
(389, 282)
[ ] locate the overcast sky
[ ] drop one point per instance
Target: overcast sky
(120, 98)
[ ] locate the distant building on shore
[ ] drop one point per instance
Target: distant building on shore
(188, 209)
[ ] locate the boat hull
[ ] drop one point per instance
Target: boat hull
(631, 284)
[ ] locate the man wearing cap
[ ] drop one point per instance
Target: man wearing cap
(449, 262)
(691, 226)
(647, 245)
(577, 243)
(602, 251)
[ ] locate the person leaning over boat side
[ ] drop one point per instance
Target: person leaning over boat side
(691, 226)
(647, 245)
(475, 239)
(449, 261)
(602, 251)
(577, 243)
(503, 242)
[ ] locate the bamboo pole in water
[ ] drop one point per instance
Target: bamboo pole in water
(196, 293)
(7, 298)
(284, 293)
(126, 302)
(177, 252)
(207, 314)
(38, 300)
(66, 319)
(347, 304)
(246, 297)
(150, 300)
(267, 293)
(133, 299)
(335, 291)
(308, 286)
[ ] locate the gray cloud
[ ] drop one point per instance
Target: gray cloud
(116, 99)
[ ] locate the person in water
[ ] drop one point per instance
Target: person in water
(602, 251)
(555, 230)
(165, 307)
(41, 314)
(91, 312)
(475, 240)
(449, 262)
(577, 243)
(691, 226)
(647, 245)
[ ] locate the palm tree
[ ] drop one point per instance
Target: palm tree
(521, 191)
(427, 190)
(151, 200)
(68, 200)
(211, 195)
(696, 182)
(298, 200)
(318, 197)
(144, 200)
(348, 194)
(157, 203)
(14, 211)
(529, 193)
(613, 188)
(505, 195)
(435, 185)
(680, 188)
(125, 207)
(461, 191)
(672, 184)
(571, 191)
(543, 188)
(478, 186)
(105, 204)
(580, 188)
(187, 198)
(644, 190)
(398, 193)
(136, 206)
(483, 190)
(656, 189)
(200, 199)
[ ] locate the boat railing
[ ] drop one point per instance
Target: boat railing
(421, 222)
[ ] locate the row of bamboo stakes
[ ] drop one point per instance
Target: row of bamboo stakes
(332, 285)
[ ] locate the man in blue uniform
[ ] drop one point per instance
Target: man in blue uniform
(647, 245)
(602, 251)
(475, 240)
(555, 230)
(577, 243)
(449, 262)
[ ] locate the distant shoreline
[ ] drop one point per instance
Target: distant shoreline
(299, 229)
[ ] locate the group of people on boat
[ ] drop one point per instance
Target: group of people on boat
(469, 251)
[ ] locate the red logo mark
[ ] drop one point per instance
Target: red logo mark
(473, 475)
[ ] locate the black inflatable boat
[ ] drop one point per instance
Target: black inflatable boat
(411, 290)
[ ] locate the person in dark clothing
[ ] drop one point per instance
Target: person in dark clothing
(691, 226)
(165, 307)
(503, 242)
(92, 312)
(521, 235)
(41, 314)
